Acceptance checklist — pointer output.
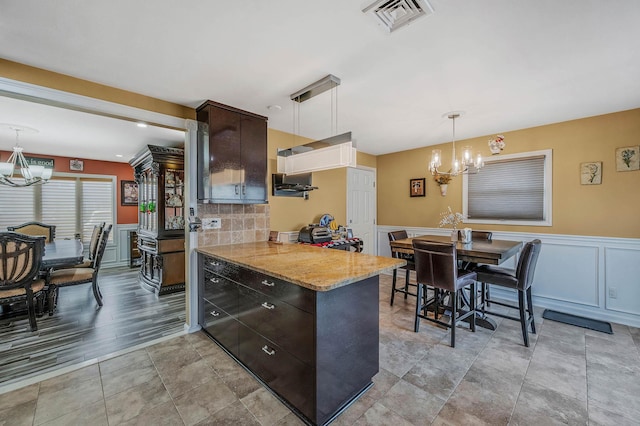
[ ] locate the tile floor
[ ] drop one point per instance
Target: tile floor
(569, 375)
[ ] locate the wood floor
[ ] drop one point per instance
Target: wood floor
(79, 331)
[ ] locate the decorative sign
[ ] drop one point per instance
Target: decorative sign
(37, 161)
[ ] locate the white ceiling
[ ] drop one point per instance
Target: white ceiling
(507, 64)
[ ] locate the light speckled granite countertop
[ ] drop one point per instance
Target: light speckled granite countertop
(315, 268)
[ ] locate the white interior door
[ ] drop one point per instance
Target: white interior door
(361, 206)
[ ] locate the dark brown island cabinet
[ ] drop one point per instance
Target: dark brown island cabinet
(316, 350)
(159, 172)
(232, 165)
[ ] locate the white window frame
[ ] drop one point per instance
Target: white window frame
(548, 191)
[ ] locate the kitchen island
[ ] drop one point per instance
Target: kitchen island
(301, 319)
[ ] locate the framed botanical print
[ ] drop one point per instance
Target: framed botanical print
(416, 187)
(628, 158)
(591, 173)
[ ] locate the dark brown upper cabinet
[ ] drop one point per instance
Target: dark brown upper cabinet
(232, 162)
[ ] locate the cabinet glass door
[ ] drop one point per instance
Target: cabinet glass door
(173, 199)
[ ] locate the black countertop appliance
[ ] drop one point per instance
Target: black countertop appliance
(314, 234)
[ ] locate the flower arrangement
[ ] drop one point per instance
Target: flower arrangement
(450, 218)
(442, 179)
(496, 145)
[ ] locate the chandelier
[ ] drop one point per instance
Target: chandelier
(31, 174)
(458, 165)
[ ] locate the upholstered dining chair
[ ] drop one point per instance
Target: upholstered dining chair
(93, 248)
(521, 280)
(20, 259)
(35, 229)
(78, 275)
(437, 266)
(410, 266)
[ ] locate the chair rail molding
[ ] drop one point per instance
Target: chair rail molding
(589, 276)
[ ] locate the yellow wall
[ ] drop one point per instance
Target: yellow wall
(611, 209)
(292, 213)
(40, 77)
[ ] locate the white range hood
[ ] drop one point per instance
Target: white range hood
(326, 154)
(331, 153)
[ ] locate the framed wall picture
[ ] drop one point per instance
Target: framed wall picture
(628, 158)
(416, 187)
(128, 193)
(591, 173)
(76, 165)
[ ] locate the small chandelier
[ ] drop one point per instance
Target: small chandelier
(31, 174)
(458, 165)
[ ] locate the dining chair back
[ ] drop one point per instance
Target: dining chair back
(20, 259)
(410, 266)
(520, 280)
(437, 266)
(79, 275)
(36, 229)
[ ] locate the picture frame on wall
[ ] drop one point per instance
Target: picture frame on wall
(76, 165)
(628, 158)
(416, 187)
(128, 193)
(591, 173)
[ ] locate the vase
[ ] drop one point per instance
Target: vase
(454, 235)
(443, 189)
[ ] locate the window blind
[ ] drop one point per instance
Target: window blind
(73, 204)
(12, 200)
(97, 206)
(508, 190)
(58, 206)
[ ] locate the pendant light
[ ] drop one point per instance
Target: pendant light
(458, 165)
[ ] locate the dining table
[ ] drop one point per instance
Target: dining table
(478, 251)
(62, 253)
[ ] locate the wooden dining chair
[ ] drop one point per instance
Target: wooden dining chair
(36, 229)
(20, 259)
(521, 280)
(437, 266)
(79, 275)
(93, 248)
(410, 266)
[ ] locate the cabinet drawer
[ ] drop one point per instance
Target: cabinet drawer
(221, 292)
(295, 295)
(289, 327)
(220, 267)
(286, 375)
(220, 325)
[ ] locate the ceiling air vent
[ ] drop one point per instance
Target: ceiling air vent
(394, 14)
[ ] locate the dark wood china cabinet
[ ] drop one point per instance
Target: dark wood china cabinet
(159, 172)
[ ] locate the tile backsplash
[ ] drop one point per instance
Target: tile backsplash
(240, 223)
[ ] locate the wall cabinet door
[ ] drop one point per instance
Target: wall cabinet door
(254, 155)
(233, 162)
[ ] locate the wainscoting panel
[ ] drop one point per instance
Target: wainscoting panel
(574, 281)
(575, 274)
(622, 279)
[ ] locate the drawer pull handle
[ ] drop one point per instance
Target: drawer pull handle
(267, 283)
(214, 280)
(268, 305)
(215, 314)
(268, 351)
(214, 263)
